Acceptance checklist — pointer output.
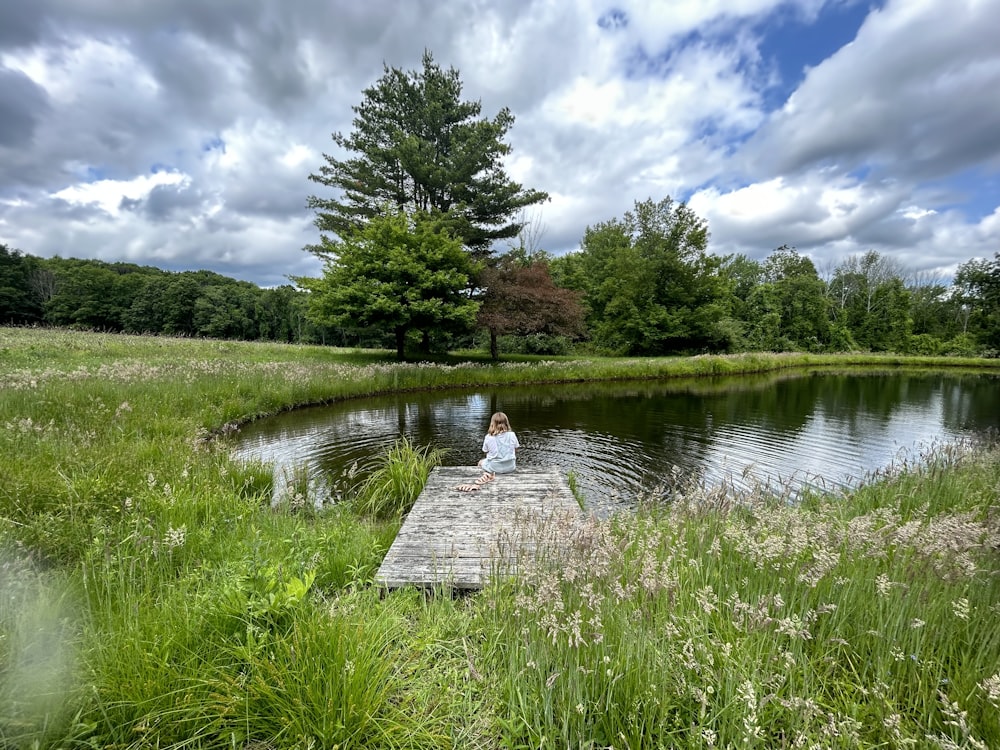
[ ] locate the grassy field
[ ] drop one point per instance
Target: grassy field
(150, 596)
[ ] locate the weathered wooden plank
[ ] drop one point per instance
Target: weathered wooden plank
(456, 539)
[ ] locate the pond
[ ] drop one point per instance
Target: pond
(625, 440)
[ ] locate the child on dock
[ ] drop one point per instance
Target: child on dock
(500, 446)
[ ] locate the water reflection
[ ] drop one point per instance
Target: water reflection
(623, 439)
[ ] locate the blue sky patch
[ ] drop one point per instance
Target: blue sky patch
(791, 44)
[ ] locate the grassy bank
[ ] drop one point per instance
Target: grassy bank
(150, 596)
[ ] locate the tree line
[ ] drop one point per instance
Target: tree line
(422, 197)
(125, 297)
(650, 287)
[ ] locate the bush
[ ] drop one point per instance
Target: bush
(925, 345)
(536, 343)
(963, 345)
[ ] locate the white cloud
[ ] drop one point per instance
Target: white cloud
(109, 194)
(913, 94)
(183, 134)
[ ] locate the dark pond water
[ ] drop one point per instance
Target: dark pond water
(625, 439)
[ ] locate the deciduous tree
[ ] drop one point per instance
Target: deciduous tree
(788, 309)
(649, 285)
(18, 302)
(978, 284)
(870, 298)
(522, 299)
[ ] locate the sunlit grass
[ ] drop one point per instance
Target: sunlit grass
(722, 622)
(194, 607)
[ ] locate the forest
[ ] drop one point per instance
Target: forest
(637, 294)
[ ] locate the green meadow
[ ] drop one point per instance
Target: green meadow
(152, 595)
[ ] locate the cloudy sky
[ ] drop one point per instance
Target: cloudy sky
(180, 133)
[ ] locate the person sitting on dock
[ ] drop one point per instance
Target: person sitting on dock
(500, 446)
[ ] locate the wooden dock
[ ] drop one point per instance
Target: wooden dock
(455, 539)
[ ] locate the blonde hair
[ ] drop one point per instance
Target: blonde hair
(499, 423)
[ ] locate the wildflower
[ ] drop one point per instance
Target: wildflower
(707, 599)
(709, 737)
(961, 608)
(750, 725)
(992, 687)
(917, 623)
(793, 627)
(883, 585)
(175, 537)
(575, 637)
(579, 708)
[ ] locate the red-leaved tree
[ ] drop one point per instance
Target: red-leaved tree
(522, 299)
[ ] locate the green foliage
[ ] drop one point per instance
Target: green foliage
(92, 294)
(787, 310)
(418, 147)
(536, 343)
(19, 303)
(926, 345)
(397, 273)
(870, 299)
(963, 345)
(649, 285)
(978, 284)
(395, 479)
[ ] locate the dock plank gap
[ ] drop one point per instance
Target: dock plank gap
(456, 540)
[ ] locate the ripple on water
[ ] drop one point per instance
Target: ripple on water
(624, 440)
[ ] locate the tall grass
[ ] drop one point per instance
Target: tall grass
(395, 479)
(156, 595)
(853, 622)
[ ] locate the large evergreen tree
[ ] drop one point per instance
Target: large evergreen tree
(399, 273)
(417, 146)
